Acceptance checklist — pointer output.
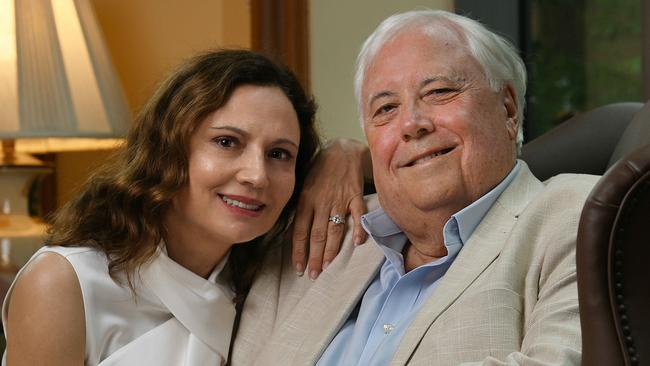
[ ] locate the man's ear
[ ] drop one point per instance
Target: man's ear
(511, 108)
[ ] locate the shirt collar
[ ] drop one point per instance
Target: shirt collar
(469, 217)
(458, 228)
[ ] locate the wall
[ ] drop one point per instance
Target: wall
(146, 39)
(338, 28)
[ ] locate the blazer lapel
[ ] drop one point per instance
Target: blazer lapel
(481, 249)
(327, 304)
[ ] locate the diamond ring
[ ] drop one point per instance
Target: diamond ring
(336, 219)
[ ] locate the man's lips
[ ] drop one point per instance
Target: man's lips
(421, 158)
(242, 202)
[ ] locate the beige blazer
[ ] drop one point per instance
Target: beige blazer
(510, 297)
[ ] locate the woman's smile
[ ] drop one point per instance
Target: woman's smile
(243, 205)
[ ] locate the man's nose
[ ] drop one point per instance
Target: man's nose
(415, 124)
(253, 170)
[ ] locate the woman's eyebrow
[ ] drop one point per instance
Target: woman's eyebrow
(285, 141)
(230, 128)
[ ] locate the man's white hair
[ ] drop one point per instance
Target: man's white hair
(497, 56)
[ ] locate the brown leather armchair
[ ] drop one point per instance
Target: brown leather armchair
(613, 245)
(613, 262)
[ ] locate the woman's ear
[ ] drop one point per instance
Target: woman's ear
(511, 108)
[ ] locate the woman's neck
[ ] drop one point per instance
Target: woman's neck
(194, 251)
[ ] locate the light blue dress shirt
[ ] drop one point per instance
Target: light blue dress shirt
(373, 331)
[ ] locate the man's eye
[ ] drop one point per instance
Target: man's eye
(439, 91)
(226, 141)
(280, 154)
(385, 109)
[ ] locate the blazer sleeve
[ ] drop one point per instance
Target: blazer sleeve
(551, 328)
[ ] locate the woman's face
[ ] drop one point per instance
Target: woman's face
(242, 161)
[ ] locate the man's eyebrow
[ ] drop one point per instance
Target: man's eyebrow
(380, 95)
(433, 79)
(244, 133)
(423, 83)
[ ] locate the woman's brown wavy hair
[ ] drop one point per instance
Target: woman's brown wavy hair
(120, 209)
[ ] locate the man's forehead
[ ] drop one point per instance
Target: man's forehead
(437, 50)
(388, 73)
(433, 36)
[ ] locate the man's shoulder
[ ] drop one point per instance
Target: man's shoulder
(564, 192)
(278, 265)
(568, 189)
(281, 302)
(572, 182)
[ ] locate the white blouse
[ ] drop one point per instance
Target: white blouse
(176, 317)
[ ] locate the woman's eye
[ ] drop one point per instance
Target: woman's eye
(280, 154)
(226, 141)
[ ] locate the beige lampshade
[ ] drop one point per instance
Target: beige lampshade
(58, 90)
(56, 76)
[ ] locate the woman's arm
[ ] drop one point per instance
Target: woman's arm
(45, 321)
(334, 187)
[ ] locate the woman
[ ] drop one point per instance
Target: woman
(147, 264)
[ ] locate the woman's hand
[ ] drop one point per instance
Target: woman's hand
(334, 187)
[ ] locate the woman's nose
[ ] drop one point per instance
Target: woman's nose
(253, 170)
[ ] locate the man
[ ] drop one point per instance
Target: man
(471, 258)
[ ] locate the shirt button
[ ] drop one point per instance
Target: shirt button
(388, 328)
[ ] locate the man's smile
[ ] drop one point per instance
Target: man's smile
(421, 158)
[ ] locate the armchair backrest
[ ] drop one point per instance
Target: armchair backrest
(636, 135)
(590, 142)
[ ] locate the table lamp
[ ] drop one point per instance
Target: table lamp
(58, 91)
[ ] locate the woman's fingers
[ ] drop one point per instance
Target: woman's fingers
(335, 231)
(357, 209)
(334, 187)
(300, 236)
(317, 240)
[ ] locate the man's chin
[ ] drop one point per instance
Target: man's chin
(420, 205)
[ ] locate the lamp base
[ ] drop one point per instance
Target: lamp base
(20, 234)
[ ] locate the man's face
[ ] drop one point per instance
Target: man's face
(440, 138)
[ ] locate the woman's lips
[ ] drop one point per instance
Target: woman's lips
(243, 205)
